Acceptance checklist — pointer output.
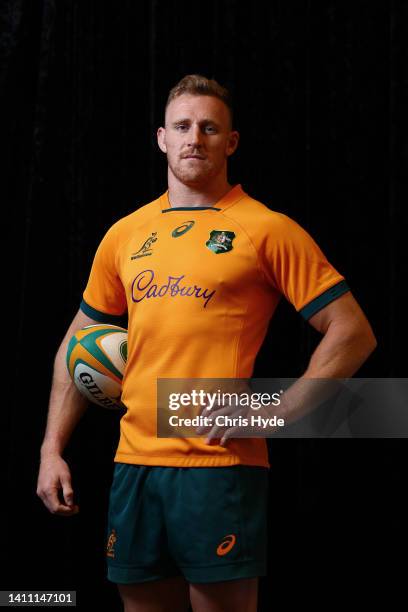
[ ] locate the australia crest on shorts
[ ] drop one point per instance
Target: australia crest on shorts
(220, 241)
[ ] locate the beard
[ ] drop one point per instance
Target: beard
(193, 172)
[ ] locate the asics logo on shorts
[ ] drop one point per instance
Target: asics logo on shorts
(227, 543)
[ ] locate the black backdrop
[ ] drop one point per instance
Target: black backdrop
(319, 92)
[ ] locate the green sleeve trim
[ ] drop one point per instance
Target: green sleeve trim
(101, 317)
(325, 298)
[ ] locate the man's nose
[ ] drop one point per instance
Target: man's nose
(195, 135)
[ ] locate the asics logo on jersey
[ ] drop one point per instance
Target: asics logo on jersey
(182, 229)
(146, 248)
(111, 544)
(227, 543)
(144, 287)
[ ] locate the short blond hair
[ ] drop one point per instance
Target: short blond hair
(198, 85)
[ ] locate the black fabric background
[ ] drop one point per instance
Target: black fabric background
(320, 93)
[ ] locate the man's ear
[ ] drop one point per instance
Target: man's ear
(232, 144)
(161, 139)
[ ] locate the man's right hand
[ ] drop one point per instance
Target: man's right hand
(54, 476)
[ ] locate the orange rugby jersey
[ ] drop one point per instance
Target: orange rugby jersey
(200, 286)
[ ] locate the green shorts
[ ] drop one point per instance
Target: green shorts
(207, 524)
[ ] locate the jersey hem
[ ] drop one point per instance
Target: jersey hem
(191, 461)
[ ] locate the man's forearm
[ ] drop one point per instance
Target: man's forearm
(66, 407)
(340, 354)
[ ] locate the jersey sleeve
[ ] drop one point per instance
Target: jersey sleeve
(104, 297)
(295, 265)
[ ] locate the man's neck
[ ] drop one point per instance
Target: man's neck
(191, 195)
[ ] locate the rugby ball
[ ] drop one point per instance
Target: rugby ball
(96, 360)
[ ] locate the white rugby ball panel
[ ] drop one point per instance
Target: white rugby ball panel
(111, 345)
(97, 387)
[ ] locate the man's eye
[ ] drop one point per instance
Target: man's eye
(181, 127)
(210, 129)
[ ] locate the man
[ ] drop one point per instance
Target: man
(200, 271)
